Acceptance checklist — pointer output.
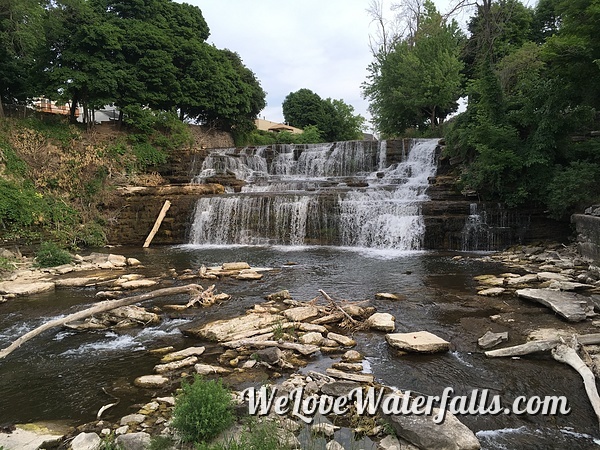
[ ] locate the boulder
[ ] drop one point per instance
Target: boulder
(117, 260)
(86, 441)
(151, 381)
(134, 419)
(135, 314)
(381, 322)
(489, 339)
(138, 284)
(311, 338)
(133, 262)
(421, 431)
(569, 305)
(352, 356)
(419, 342)
(341, 339)
(270, 355)
(279, 296)
(133, 441)
(339, 388)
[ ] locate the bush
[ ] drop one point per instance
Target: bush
(202, 410)
(262, 435)
(50, 255)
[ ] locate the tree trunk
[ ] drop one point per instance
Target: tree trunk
(73, 110)
(1, 109)
(98, 308)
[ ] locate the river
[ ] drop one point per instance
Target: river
(63, 375)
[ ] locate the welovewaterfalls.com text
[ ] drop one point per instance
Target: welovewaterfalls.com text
(263, 401)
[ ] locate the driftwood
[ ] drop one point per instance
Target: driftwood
(106, 305)
(159, 219)
(336, 306)
(540, 346)
(304, 349)
(563, 353)
(568, 355)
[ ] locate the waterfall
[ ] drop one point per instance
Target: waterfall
(324, 194)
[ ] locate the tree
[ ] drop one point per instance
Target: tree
(419, 81)
(333, 118)
(21, 38)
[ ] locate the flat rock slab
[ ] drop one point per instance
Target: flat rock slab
(419, 342)
(26, 438)
(151, 381)
(227, 329)
(24, 288)
(491, 292)
(182, 354)
(569, 305)
(301, 313)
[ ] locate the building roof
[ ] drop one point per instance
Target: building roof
(275, 127)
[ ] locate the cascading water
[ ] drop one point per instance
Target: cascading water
(329, 194)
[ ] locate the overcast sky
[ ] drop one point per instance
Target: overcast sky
(321, 45)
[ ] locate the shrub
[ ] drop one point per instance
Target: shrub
(202, 410)
(50, 255)
(262, 435)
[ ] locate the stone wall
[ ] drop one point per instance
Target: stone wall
(588, 233)
(134, 210)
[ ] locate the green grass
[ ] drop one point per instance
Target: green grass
(255, 436)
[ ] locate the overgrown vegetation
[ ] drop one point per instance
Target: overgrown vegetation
(203, 410)
(55, 178)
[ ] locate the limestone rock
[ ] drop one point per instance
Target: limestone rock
(182, 354)
(571, 306)
(207, 369)
(151, 381)
(133, 262)
(491, 292)
(420, 342)
(339, 388)
(135, 314)
(301, 313)
(86, 441)
(117, 260)
(279, 296)
(382, 322)
(348, 367)
(270, 355)
(133, 441)
(311, 338)
(358, 377)
(249, 275)
(551, 276)
(138, 284)
(176, 365)
(227, 329)
(30, 437)
(235, 266)
(334, 445)
(341, 339)
(489, 339)
(421, 431)
(24, 288)
(352, 356)
(132, 419)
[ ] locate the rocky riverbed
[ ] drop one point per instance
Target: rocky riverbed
(276, 341)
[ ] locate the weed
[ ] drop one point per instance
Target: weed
(256, 435)
(202, 410)
(50, 255)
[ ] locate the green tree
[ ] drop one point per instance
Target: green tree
(334, 119)
(21, 22)
(418, 82)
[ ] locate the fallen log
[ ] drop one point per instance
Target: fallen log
(106, 305)
(159, 219)
(336, 306)
(568, 355)
(304, 349)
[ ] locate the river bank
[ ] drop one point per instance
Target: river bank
(509, 314)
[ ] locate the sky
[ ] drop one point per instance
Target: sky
(321, 45)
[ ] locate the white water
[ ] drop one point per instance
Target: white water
(308, 195)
